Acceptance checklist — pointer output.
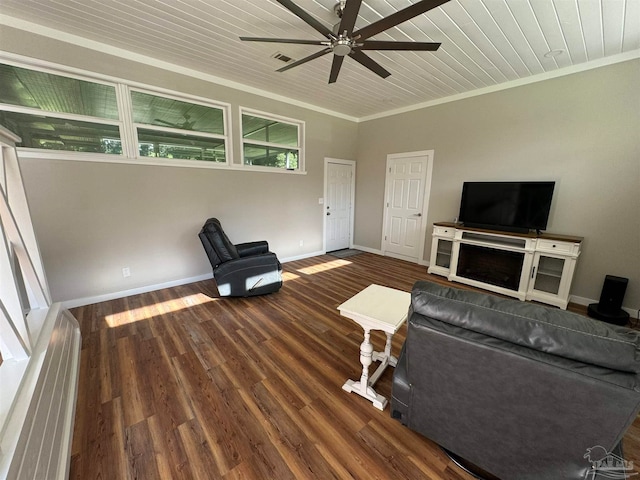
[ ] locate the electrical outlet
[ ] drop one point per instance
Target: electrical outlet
(302, 243)
(126, 272)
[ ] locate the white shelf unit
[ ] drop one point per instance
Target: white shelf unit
(524, 266)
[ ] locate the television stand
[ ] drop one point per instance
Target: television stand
(527, 266)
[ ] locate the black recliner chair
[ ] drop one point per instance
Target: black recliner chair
(241, 270)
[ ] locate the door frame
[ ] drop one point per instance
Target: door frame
(351, 163)
(425, 202)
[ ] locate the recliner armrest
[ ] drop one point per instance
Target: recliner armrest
(252, 248)
(249, 276)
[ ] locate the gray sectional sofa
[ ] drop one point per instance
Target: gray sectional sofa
(515, 389)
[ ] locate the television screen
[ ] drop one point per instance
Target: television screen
(516, 206)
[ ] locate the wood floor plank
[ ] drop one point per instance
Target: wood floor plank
(181, 384)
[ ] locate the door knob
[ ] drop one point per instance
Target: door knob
(417, 214)
(328, 213)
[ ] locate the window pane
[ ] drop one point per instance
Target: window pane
(187, 147)
(54, 93)
(265, 130)
(38, 131)
(270, 156)
(166, 112)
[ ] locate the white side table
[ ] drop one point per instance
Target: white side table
(375, 308)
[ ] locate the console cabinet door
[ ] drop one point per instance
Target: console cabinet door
(551, 279)
(441, 251)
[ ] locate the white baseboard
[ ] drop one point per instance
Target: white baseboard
(633, 312)
(302, 257)
(79, 302)
(581, 300)
(368, 250)
(381, 253)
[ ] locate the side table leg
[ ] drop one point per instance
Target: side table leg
(362, 387)
(366, 351)
(387, 351)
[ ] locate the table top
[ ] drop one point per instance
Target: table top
(378, 308)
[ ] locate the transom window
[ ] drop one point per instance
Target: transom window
(59, 112)
(271, 141)
(171, 128)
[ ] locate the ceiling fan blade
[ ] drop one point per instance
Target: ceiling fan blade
(381, 45)
(282, 40)
(368, 62)
(170, 124)
(305, 60)
(335, 68)
(397, 18)
(306, 17)
(349, 16)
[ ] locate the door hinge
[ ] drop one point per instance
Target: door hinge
(389, 169)
(385, 237)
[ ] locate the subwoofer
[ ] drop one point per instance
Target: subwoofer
(609, 309)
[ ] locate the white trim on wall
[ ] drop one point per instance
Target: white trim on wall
(48, 32)
(541, 77)
(31, 27)
(79, 302)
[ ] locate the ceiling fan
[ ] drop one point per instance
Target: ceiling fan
(343, 40)
(186, 125)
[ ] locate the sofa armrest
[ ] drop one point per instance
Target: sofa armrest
(252, 248)
(400, 389)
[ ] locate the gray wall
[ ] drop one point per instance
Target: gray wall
(581, 130)
(93, 219)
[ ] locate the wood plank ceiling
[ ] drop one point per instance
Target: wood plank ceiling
(484, 42)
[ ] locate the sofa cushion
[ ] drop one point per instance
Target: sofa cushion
(545, 329)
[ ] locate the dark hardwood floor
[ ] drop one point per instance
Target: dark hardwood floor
(178, 383)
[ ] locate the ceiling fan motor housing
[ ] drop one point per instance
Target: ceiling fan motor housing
(342, 46)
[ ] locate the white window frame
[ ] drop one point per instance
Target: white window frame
(300, 124)
(224, 107)
(128, 130)
(63, 115)
(20, 324)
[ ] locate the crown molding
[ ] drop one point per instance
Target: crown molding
(59, 35)
(582, 67)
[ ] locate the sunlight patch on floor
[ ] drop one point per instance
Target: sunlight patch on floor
(289, 276)
(323, 267)
(149, 311)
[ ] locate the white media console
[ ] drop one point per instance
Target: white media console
(527, 266)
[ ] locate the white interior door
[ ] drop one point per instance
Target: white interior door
(407, 177)
(338, 204)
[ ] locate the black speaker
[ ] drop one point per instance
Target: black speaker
(612, 294)
(609, 308)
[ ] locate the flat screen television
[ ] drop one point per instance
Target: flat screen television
(509, 206)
